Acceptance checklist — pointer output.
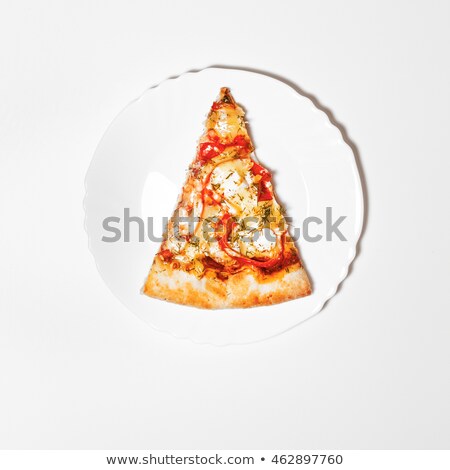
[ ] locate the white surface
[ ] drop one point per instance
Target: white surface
(138, 163)
(78, 371)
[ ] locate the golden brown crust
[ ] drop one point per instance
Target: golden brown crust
(241, 290)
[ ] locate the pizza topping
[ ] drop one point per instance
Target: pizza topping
(216, 105)
(231, 181)
(166, 255)
(214, 146)
(224, 185)
(228, 224)
(257, 243)
(209, 262)
(263, 178)
(208, 150)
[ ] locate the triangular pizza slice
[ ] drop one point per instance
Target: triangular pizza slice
(227, 244)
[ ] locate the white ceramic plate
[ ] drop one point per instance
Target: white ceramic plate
(141, 164)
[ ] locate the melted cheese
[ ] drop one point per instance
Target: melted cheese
(232, 188)
(226, 121)
(233, 181)
(257, 243)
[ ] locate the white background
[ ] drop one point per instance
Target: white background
(77, 370)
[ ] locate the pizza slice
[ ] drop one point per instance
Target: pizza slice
(227, 244)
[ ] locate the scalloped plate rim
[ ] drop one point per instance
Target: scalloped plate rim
(352, 253)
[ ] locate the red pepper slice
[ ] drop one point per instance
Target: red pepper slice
(261, 171)
(213, 147)
(209, 150)
(264, 193)
(240, 141)
(166, 254)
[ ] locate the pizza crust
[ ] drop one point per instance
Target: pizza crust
(248, 288)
